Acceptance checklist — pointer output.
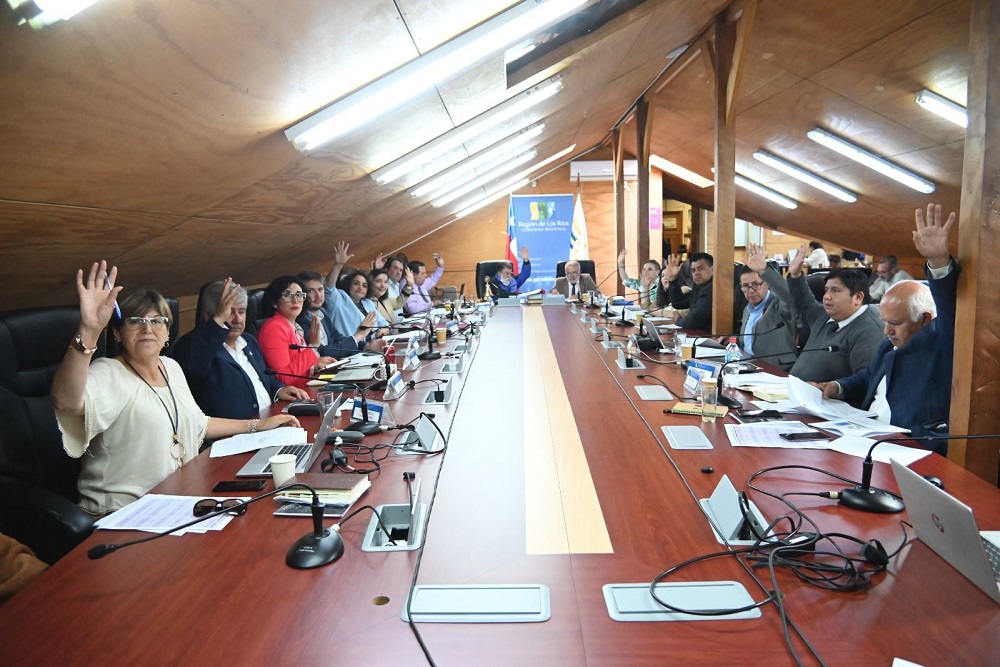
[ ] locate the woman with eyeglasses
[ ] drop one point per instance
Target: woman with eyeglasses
(280, 337)
(133, 414)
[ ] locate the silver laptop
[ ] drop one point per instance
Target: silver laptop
(650, 330)
(305, 454)
(947, 526)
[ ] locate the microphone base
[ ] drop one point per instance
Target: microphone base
(313, 550)
(624, 323)
(876, 501)
(429, 356)
(368, 428)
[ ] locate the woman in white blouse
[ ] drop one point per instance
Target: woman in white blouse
(132, 415)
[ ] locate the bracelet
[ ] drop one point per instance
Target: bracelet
(252, 425)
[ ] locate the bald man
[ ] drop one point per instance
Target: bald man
(908, 383)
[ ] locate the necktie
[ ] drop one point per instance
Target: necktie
(572, 289)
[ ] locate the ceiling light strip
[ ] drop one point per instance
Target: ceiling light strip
(943, 107)
(485, 159)
(489, 176)
(468, 130)
(766, 192)
(680, 172)
(404, 84)
(807, 177)
(870, 160)
(514, 183)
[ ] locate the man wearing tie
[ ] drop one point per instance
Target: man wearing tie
(843, 321)
(908, 383)
(575, 283)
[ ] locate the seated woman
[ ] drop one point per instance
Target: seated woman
(348, 306)
(385, 305)
(647, 284)
(505, 283)
(133, 415)
(280, 337)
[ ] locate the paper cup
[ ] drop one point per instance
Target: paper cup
(282, 468)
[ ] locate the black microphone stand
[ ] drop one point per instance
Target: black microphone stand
(364, 426)
(320, 547)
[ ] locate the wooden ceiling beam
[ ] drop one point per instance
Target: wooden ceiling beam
(744, 25)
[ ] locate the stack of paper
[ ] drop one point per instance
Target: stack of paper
(251, 442)
(768, 434)
(809, 399)
(155, 513)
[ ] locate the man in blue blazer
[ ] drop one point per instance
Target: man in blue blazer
(908, 382)
(223, 365)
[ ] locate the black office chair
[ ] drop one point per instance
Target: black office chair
(255, 311)
(38, 492)
(586, 266)
(817, 283)
(486, 270)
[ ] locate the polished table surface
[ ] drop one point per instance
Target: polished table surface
(556, 474)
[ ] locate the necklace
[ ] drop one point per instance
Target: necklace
(177, 449)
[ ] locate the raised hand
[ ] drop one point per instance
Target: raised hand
(316, 328)
(340, 255)
(621, 257)
(379, 261)
(408, 276)
(795, 266)
(97, 301)
(931, 237)
(226, 301)
(368, 322)
(756, 258)
(438, 259)
(672, 268)
(524, 254)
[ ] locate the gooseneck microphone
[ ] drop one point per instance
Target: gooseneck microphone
(869, 499)
(364, 426)
(293, 346)
(320, 547)
(779, 325)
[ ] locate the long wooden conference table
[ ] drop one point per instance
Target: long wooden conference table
(555, 474)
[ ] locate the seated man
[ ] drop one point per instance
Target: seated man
(908, 382)
(647, 284)
(224, 365)
(887, 274)
(843, 321)
(765, 310)
(420, 301)
(574, 283)
(699, 300)
(316, 321)
(505, 283)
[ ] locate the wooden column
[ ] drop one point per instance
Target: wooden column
(723, 231)
(643, 131)
(975, 390)
(618, 150)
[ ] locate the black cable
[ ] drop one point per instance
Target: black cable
(345, 519)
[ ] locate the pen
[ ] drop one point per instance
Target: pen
(107, 283)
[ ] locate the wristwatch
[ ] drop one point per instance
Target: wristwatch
(78, 345)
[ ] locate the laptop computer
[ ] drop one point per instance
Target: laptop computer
(305, 454)
(947, 526)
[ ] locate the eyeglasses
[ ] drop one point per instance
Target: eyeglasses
(155, 322)
(293, 296)
(751, 286)
(233, 506)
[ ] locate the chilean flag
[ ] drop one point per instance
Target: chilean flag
(511, 237)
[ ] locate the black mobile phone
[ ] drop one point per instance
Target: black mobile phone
(804, 435)
(239, 485)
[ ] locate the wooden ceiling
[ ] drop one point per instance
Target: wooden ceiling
(151, 132)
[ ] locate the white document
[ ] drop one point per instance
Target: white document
(768, 434)
(251, 442)
(859, 447)
(809, 399)
(155, 513)
(860, 427)
(760, 379)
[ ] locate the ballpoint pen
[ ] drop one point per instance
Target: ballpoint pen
(107, 283)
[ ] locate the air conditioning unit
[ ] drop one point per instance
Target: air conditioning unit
(601, 170)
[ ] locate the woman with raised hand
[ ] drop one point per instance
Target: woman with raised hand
(132, 414)
(280, 337)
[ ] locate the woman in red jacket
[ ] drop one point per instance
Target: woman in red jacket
(280, 335)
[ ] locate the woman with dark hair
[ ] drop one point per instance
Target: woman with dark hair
(385, 305)
(280, 336)
(352, 302)
(133, 414)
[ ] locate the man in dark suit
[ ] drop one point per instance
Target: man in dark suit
(330, 342)
(765, 310)
(698, 301)
(574, 283)
(908, 383)
(223, 365)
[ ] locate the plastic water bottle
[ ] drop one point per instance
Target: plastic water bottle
(731, 370)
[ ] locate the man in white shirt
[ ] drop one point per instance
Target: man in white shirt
(817, 259)
(887, 273)
(574, 283)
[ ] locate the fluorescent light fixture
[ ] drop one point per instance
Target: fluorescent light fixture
(404, 84)
(679, 171)
(870, 160)
(484, 160)
(514, 183)
(943, 107)
(765, 192)
(41, 13)
(489, 176)
(468, 130)
(805, 176)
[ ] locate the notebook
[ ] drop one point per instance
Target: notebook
(305, 454)
(947, 526)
